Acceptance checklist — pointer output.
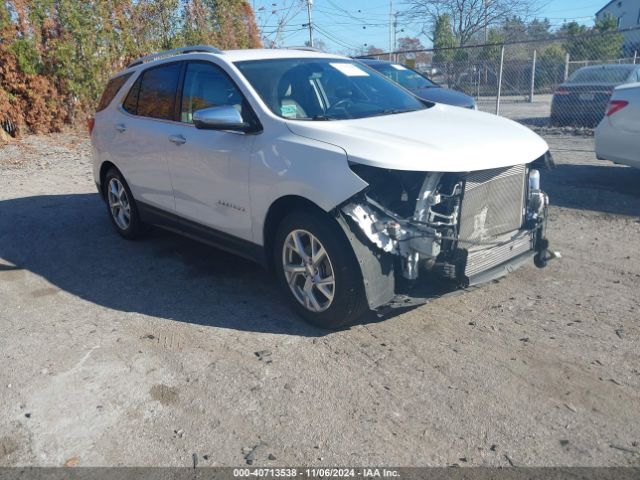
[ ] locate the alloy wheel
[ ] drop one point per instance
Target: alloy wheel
(119, 204)
(308, 270)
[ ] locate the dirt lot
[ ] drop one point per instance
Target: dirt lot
(146, 353)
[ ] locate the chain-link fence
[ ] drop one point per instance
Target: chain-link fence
(537, 82)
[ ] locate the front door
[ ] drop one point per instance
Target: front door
(210, 169)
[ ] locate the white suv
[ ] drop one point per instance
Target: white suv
(348, 186)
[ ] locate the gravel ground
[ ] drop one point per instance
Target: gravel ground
(145, 353)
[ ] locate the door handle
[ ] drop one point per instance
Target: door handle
(177, 139)
(121, 127)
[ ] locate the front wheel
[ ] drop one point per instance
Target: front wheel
(318, 271)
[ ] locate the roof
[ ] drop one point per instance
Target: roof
(228, 55)
(272, 53)
(605, 7)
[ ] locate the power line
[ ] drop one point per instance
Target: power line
(334, 38)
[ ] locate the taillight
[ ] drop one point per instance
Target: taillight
(615, 106)
(562, 91)
(91, 122)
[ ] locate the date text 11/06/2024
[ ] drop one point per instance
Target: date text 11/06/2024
(316, 472)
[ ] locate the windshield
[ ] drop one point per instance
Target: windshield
(601, 75)
(409, 79)
(325, 89)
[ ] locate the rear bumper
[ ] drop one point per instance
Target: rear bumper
(574, 111)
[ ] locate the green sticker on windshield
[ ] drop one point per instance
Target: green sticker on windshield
(289, 111)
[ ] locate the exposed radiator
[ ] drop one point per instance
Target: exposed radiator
(492, 204)
(479, 260)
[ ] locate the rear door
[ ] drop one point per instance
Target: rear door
(142, 135)
(210, 169)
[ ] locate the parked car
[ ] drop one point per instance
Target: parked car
(339, 180)
(582, 100)
(618, 135)
(420, 84)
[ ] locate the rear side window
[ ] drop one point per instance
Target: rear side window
(131, 102)
(113, 86)
(611, 75)
(154, 93)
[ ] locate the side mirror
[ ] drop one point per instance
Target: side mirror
(224, 117)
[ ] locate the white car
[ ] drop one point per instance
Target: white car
(336, 178)
(618, 134)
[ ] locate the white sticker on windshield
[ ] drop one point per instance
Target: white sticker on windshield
(398, 67)
(349, 69)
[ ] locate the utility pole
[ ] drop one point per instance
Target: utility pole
(390, 28)
(395, 31)
(498, 97)
(309, 5)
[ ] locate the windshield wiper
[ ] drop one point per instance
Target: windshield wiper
(324, 118)
(393, 111)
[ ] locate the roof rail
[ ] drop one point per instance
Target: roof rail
(305, 49)
(176, 51)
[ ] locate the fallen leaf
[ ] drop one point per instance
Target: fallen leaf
(72, 462)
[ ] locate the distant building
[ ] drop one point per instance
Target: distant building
(627, 14)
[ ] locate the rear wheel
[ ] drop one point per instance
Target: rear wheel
(122, 208)
(318, 271)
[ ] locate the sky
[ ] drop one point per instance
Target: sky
(349, 25)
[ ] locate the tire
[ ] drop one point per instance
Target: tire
(334, 307)
(121, 206)
(555, 121)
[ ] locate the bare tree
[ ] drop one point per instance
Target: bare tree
(470, 17)
(277, 21)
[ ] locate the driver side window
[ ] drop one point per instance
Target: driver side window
(205, 85)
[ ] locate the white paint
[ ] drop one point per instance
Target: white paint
(618, 136)
(439, 139)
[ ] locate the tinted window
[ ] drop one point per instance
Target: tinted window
(131, 102)
(325, 89)
(157, 94)
(113, 86)
(601, 75)
(406, 77)
(205, 85)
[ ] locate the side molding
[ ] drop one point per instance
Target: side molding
(202, 233)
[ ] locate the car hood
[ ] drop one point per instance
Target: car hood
(438, 139)
(443, 95)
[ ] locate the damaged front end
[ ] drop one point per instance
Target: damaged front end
(461, 228)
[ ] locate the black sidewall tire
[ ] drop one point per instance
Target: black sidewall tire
(136, 228)
(349, 302)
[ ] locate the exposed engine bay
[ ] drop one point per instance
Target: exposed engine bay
(461, 227)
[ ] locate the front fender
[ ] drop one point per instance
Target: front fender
(291, 165)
